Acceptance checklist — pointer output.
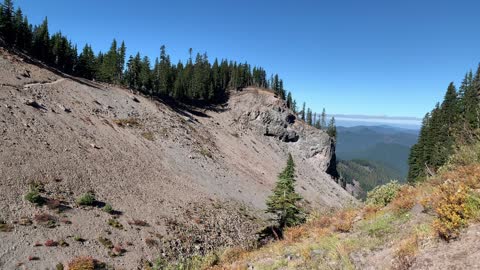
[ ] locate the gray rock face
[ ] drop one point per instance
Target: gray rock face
(309, 143)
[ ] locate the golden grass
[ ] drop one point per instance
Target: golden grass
(343, 220)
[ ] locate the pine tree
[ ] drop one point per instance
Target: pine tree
(289, 100)
(303, 111)
(86, 66)
(7, 30)
(332, 128)
(309, 117)
(120, 63)
(284, 202)
(323, 121)
(41, 42)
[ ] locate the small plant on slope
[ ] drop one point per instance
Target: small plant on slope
(86, 199)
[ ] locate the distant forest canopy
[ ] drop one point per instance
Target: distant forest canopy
(195, 80)
(453, 122)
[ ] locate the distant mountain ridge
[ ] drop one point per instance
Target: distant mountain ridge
(373, 155)
(389, 145)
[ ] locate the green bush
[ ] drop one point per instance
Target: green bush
(86, 199)
(108, 208)
(33, 196)
(384, 194)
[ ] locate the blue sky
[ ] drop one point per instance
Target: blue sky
(365, 57)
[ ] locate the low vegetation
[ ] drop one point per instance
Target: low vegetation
(115, 224)
(384, 194)
(86, 199)
(5, 227)
(108, 208)
(127, 122)
(149, 136)
(33, 196)
(85, 263)
(395, 217)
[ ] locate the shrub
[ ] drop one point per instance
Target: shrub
(204, 152)
(343, 221)
(86, 199)
(114, 223)
(405, 199)
(34, 197)
(149, 136)
(384, 194)
(25, 221)
(4, 227)
(105, 242)
(108, 208)
(82, 263)
(454, 205)
(46, 220)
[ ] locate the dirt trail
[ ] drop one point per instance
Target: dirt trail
(28, 85)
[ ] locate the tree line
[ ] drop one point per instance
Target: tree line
(194, 80)
(453, 121)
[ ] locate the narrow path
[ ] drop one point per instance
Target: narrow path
(48, 83)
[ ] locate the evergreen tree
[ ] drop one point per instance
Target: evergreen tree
(289, 100)
(284, 202)
(7, 29)
(332, 128)
(86, 66)
(303, 112)
(309, 117)
(41, 42)
(323, 121)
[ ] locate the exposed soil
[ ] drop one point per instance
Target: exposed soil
(198, 178)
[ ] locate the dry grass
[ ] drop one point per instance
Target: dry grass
(406, 251)
(4, 227)
(370, 211)
(343, 220)
(137, 222)
(127, 122)
(82, 263)
(151, 242)
(294, 234)
(405, 199)
(149, 136)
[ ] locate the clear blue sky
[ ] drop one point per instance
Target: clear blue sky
(352, 57)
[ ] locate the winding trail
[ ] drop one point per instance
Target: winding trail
(39, 83)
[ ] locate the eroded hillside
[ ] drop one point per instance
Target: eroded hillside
(180, 180)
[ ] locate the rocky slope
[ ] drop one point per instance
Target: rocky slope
(197, 179)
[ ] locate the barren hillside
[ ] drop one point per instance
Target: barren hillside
(198, 178)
